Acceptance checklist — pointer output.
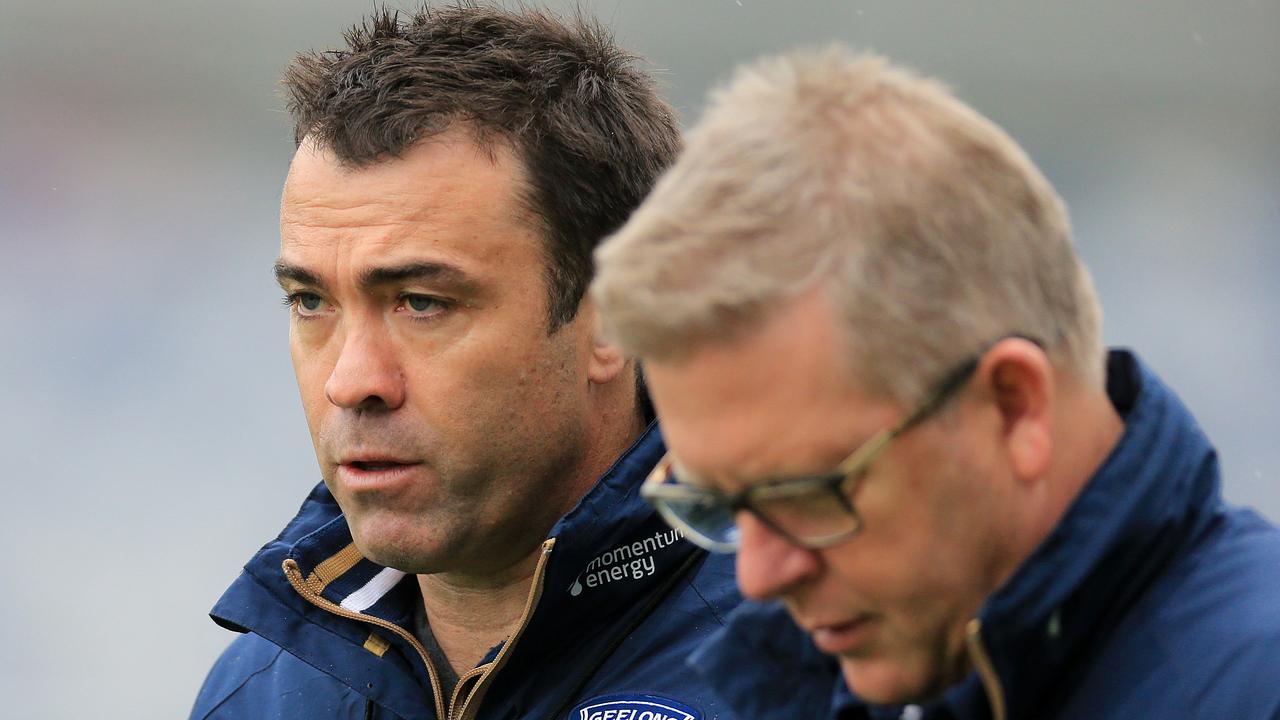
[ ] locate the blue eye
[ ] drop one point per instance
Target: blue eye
(423, 307)
(305, 304)
(421, 303)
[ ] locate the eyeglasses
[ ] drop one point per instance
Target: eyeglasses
(809, 511)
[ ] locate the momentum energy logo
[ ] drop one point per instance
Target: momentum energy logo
(625, 562)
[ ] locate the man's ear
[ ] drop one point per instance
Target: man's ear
(605, 360)
(1020, 378)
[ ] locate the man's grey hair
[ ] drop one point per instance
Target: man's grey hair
(930, 229)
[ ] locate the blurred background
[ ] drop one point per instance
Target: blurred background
(153, 438)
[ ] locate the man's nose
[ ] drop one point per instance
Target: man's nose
(367, 375)
(769, 565)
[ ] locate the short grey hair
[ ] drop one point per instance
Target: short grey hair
(929, 227)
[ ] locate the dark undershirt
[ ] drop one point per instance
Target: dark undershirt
(444, 671)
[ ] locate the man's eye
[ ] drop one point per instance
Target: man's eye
(423, 305)
(305, 303)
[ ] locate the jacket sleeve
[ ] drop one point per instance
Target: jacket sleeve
(254, 678)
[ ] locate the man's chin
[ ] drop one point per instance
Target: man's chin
(393, 550)
(396, 559)
(883, 681)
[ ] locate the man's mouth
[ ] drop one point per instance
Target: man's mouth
(375, 465)
(377, 473)
(841, 637)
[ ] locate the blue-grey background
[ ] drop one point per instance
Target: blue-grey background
(151, 434)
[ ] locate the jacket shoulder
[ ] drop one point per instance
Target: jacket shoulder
(255, 678)
(1227, 588)
(1219, 623)
(764, 666)
(1205, 640)
(715, 586)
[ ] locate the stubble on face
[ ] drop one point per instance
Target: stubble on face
(483, 405)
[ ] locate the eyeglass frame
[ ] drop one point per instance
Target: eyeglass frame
(657, 489)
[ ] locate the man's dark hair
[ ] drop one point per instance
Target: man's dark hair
(588, 125)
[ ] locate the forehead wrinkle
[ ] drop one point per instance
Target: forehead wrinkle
(408, 225)
(442, 202)
(389, 209)
(318, 203)
(318, 189)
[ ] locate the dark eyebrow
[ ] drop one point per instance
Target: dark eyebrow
(286, 272)
(420, 271)
(380, 276)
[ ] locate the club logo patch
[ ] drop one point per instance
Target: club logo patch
(633, 706)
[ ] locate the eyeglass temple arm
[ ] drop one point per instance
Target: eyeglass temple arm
(952, 382)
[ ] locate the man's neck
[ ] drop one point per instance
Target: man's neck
(470, 614)
(1090, 428)
(1095, 430)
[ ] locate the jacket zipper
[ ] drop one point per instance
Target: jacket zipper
(465, 686)
(294, 574)
(986, 669)
(472, 704)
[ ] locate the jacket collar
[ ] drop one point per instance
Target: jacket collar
(610, 553)
(1155, 492)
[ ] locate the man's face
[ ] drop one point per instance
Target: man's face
(447, 422)
(892, 602)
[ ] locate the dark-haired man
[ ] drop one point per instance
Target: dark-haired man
(478, 548)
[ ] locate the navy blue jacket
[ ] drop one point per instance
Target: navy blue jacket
(1151, 598)
(620, 601)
